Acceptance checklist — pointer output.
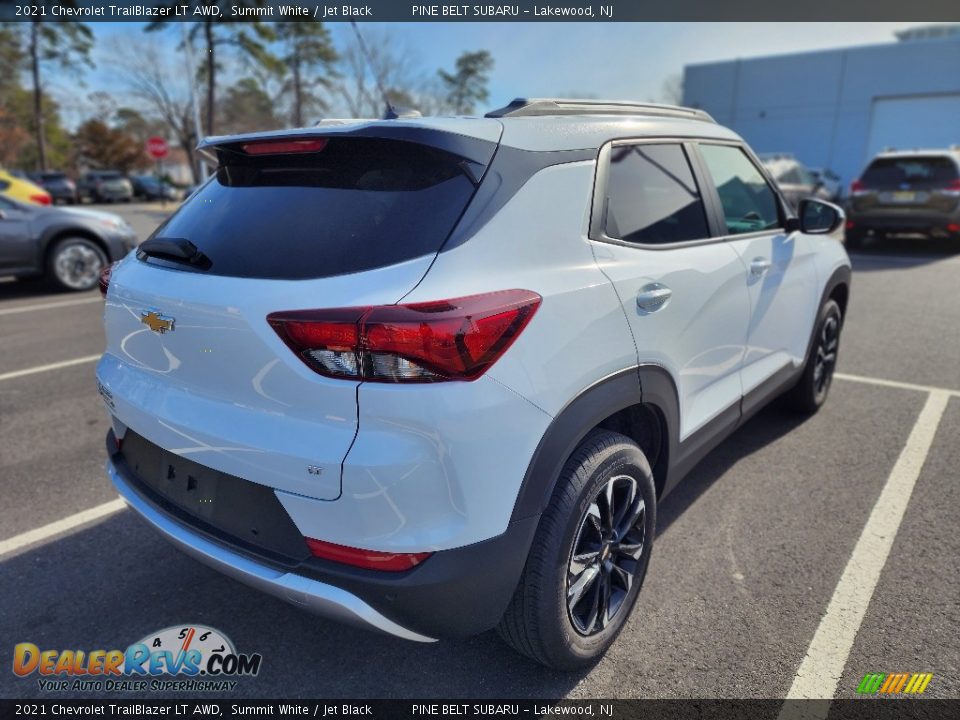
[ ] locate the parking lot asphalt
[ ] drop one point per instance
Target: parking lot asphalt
(751, 548)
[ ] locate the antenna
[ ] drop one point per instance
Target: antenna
(391, 113)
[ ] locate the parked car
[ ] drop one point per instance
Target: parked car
(914, 192)
(508, 338)
(70, 247)
(17, 188)
(105, 186)
(58, 184)
(149, 187)
(795, 181)
(829, 181)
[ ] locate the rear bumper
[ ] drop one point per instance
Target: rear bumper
(312, 595)
(454, 593)
(903, 221)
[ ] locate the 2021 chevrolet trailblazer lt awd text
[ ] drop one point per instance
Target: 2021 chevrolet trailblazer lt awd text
(432, 376)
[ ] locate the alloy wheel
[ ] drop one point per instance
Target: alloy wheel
(77, 266)
(605, 556)
(826, 358)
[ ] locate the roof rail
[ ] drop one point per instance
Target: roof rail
(537, 107)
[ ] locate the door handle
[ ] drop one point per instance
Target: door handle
(653, 297)
(759, 266)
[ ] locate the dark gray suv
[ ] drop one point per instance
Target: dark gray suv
(70, 247)
(913, 192)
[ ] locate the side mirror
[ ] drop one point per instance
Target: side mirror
(818, 217)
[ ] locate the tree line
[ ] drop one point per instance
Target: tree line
(250, 76)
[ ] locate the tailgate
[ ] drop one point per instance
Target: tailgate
(192, 365)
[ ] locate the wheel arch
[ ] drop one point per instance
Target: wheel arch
(639, 402)
(55, 235)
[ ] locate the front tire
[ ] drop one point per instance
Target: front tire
(75, 263)
(810, 393)
(588, 558)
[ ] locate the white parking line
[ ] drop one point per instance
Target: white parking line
(60, 526)
(821, 669)
(44, 368)
(895, 384)
(50, 305)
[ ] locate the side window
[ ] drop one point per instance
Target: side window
(749, 205)
(652, 197)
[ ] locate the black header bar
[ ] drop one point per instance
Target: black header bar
(517, 11)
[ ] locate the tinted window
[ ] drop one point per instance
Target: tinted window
(921, 172)
(357, 204)
(652, 196)
(749, 205)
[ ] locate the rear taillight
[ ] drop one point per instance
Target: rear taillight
(370, 559)
(104, 281)
(456, 339)
(953, 188)
(40, 198)
(857, 187)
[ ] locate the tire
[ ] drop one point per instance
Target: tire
(810, 393)
(538, 622)
(75, 263)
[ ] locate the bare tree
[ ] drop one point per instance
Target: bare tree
(151, 76)
(672, 90)
(393, 62)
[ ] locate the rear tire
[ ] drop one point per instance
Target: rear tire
(810, 393)
(588, 558)
(75, 263)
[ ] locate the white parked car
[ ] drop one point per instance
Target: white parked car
(433, 376)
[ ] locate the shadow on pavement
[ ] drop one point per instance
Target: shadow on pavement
(767, 426)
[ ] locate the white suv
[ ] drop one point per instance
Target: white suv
(432, 376)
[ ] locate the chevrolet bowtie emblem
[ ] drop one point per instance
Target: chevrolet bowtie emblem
(157, 322)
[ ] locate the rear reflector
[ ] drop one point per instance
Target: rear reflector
(370, 559)
(278, 147)
(456, 339)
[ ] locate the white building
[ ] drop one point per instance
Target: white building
(838, 108)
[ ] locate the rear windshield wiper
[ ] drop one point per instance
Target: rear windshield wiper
(179, 250)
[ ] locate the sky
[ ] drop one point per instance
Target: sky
(606, 60)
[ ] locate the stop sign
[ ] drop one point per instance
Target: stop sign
(157, 147)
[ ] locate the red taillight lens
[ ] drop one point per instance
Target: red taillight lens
(954, 187)
(278, 147)
(857, 187)
(105, 272)
(370, 559)
(456, 339)
(41, 198)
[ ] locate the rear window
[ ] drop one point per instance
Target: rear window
(47, 177)
(357, 204)
(920, 172)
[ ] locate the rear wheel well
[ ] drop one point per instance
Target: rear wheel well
(644, 424)
(73, 233)
(841, 293)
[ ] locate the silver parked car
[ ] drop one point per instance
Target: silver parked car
(70, 247)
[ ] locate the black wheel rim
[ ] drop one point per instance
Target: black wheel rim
(825, 360)
(606, 555)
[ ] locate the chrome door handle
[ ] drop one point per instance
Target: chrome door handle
(759, 266)
(653, 297)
